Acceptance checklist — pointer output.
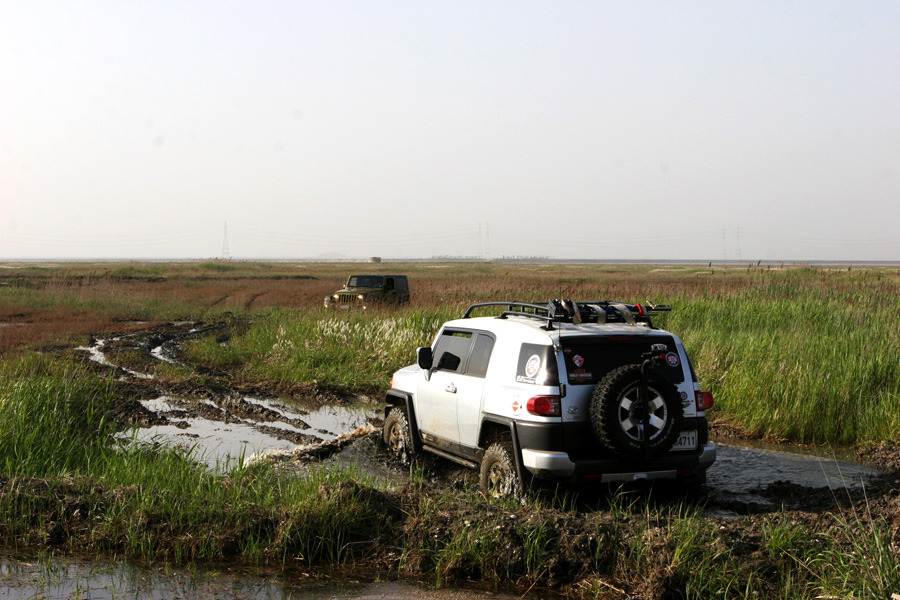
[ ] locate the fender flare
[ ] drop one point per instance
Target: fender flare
(525, 475)
(403, 399)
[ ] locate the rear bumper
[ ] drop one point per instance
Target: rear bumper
(543, 463)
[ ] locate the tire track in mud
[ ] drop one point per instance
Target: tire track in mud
(217, 302)
(252, 299)
(220, 423)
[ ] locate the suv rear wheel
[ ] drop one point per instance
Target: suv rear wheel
(616, 415)
(499, 476)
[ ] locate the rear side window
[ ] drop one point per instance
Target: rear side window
(589, 359)
(481, 355)
(537, 365)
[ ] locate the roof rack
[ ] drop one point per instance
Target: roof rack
(567, 311)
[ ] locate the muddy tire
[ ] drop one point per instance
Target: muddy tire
(397, 435)
(615, 415)
(499, 476)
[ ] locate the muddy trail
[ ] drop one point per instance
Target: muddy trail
(222, 421)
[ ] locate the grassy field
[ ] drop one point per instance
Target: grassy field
(798, 354)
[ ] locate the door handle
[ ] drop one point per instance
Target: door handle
(450, 388)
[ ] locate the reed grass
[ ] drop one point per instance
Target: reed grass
(791, 360)
(347, 352)
(798, 355)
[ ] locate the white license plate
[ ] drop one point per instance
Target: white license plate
(687, 440)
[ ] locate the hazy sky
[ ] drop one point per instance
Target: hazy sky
(690, 130)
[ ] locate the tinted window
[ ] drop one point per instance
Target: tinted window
(589, 359)
(451, 348)
(481, 355)
(373, 281)
(537, 365)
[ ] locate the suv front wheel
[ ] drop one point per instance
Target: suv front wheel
(397, 435)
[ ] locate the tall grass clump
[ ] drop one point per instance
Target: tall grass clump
(343, 351)
(53, 417)
(858, 561)
(795, 358)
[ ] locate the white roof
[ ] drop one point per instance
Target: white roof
(532, 330)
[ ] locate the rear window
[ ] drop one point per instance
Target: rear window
(589, 359)
(537, 365)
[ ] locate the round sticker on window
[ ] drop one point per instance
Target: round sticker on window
(533, 366)
(672, 359)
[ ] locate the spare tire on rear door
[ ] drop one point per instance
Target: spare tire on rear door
(616, 413)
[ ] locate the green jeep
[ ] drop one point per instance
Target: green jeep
(362, 291)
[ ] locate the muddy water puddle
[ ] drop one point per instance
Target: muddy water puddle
(765, 477)
(58, 578)
(221, 433)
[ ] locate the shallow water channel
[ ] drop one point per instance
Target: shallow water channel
(221, 434)
(59, 578)
(744, 474)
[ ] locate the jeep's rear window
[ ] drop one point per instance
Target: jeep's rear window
(537, 365)
(589, 359)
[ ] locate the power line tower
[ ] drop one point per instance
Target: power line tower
(484, 241)
(225, 253)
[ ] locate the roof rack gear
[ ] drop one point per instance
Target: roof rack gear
(567, 311)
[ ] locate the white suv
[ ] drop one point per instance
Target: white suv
(573, 391)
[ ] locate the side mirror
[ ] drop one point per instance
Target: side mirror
(424, 357)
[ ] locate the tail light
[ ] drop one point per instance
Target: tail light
(545, 406)
(704, 400)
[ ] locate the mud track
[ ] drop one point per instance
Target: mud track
(746, 479)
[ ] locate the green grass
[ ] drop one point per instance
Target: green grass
(348, 352)
(800, 355)
(795, 361)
